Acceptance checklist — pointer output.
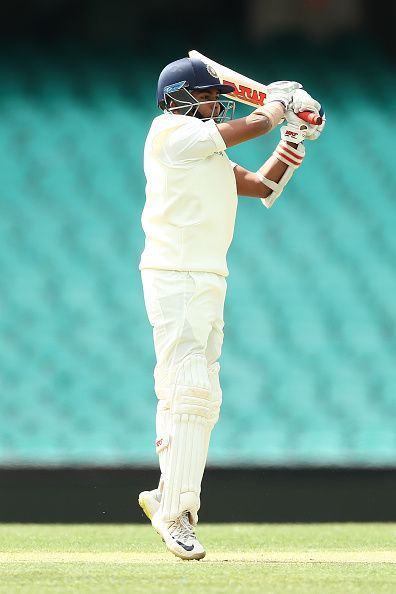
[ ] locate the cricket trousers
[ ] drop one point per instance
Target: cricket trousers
(186, 312)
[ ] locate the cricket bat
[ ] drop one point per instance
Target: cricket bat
(247, 90)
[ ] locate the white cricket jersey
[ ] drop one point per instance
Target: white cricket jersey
(191, 196)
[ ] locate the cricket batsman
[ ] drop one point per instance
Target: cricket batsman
(188, 219)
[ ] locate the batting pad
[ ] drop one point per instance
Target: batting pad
(163, 418)
(216, 392)
(193, 412)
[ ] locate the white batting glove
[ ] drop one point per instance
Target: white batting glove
(282, 90)
(302, 101)
(297, 130)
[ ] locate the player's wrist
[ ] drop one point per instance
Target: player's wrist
(291, 155)
(294, 133)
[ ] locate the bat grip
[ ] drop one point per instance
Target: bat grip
(310, 117)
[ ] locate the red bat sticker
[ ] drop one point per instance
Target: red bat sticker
(247, 93)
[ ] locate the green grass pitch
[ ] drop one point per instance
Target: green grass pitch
(241, 559)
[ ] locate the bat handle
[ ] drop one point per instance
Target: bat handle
(310, 117)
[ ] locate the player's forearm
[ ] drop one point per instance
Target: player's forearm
(259, 122)
(274, 170)
(248, 183)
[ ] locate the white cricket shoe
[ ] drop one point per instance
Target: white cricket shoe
(150, 501)
(179, 537)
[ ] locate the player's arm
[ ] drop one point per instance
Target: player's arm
(262, 120)
(250, 184)
(270, 180)
(256, 124)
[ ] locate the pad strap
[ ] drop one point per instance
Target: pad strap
(267, 182)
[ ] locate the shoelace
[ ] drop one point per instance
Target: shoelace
(182, 529)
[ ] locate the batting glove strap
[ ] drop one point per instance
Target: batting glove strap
(293, 157)
(293, 133)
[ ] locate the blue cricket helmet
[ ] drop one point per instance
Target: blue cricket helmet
(191, 74)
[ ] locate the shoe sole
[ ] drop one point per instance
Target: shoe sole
(196, 557)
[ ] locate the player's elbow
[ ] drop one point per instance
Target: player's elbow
(248, 184)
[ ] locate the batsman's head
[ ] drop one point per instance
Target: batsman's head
(190, 87)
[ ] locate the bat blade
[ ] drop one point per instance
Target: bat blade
(246, 90)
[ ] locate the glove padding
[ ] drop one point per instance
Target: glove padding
(303, 101)
(283, 91)
(305, 131)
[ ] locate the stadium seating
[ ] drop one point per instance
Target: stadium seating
(308, 365)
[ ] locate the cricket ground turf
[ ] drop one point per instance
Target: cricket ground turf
(241, 559)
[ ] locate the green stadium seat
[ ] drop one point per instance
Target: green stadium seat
(308, 360)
